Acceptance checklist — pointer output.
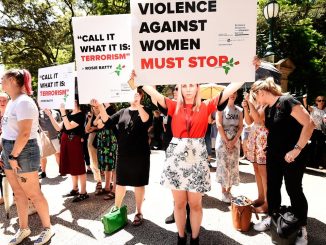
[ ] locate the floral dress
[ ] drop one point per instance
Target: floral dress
(257, 142)
(227, 169)
(186, 167)
(106, 149)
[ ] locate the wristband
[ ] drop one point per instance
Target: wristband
(298, 147)
(11, 157)
(64, 116)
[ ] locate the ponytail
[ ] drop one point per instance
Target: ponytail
(27, 82)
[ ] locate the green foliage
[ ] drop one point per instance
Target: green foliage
(300, 36)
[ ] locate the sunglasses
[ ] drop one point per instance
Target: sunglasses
(320, 100)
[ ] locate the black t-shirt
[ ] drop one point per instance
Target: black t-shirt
(158, 125)
(284, 130)
(77, 118)
(132, 132)
(168, 129)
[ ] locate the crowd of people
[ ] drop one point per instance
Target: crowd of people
(273, 129)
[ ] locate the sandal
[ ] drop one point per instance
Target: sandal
(72, 193)
(138, 220)
(98, 189)
(109, 196)
(80, 197)
(104, 191)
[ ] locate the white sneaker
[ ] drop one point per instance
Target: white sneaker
(226, 198)
(264, 225)
(45, 236)
(302, 238)
(20, 236)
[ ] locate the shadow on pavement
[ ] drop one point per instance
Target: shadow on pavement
(315, 172)
(316, 231)
(212, 202)
(53, 181)
(247, 178)
(160, 236)
(212, 237)
(150, 233)
(90, 209)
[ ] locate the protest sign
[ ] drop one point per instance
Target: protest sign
(103, 57)
(56, 86)
(193, 41)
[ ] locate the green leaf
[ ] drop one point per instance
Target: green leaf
(231, 60)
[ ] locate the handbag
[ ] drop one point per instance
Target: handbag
(115, 219)
(47, 149)
(242, 209)
(287, 222)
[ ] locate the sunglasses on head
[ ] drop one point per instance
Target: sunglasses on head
(320, 100)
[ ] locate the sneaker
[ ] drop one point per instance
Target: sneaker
(42, 175)
(45, 236)
(264, 225)
(20, 236)
(302, 238)
(226, 198)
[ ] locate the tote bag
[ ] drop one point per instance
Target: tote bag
(47, 149)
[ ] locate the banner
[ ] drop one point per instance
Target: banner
(103, 57)
(193, 41)
(56, 86)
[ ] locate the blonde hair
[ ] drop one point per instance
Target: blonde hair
(4, 95)
(181, 103)
(267, 85)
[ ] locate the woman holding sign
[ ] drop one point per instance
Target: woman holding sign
(71, 149)
(133, 158)
(186, 171)
(21, 154)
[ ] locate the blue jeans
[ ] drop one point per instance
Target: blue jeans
(28, 159)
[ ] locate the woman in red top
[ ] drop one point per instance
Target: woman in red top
(186, 171)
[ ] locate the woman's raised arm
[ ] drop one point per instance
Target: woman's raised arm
(150, 90)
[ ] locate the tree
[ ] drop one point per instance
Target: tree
(300, 36)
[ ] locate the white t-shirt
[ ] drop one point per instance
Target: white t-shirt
(23, 107)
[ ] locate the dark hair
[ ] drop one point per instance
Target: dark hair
(23, 78)
(142, 94)
(77, 99)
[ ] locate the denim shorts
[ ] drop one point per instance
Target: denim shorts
(28, 159)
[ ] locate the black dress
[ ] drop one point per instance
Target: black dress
(133, 159)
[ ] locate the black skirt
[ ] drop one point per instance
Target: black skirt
(132, 170)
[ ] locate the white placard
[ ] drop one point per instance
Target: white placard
(56, 85)
(103, 57)
(193, 41)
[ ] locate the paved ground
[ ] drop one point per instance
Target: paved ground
(79, 223)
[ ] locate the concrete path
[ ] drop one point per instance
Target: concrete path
(79, 223)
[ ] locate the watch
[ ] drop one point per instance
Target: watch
(11, 157)
(297, 147)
